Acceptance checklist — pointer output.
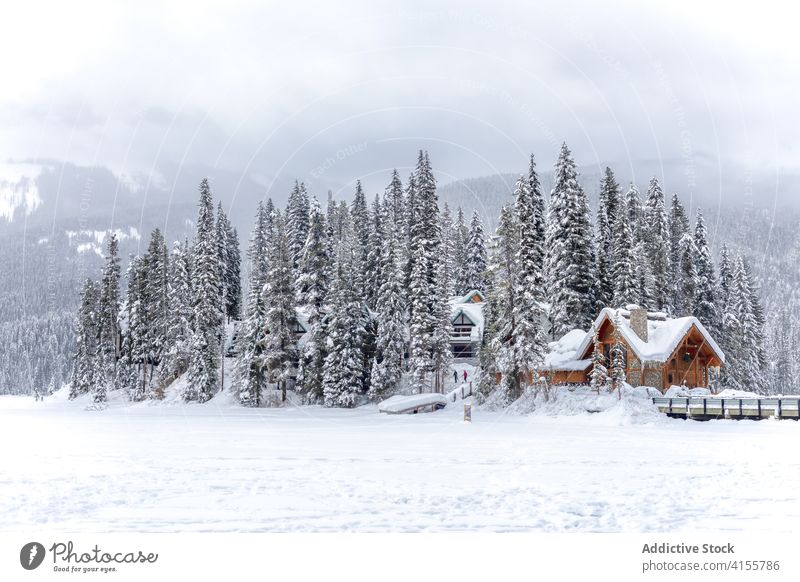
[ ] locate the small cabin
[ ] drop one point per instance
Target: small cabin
(467, 324)
(659, 351)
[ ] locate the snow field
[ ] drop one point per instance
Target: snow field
(219, 467)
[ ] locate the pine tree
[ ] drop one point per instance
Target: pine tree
(155, 305)
(207, 305)
(395, 201)
(528, 314)
(504, 269)
(109, 308)
(460, 238)
(361, 227)
(343, 371)
(232, 273)
(447, 254)
(179, 332)
(387, 367)
(657, 246)
(618, 357)
(633, 206)
(251, 341)
(599, 376)
(686, 281)
(678, 229)
(608, 210)
(86, 335)
(312, 292)
(570, 269)
(373, 274)
(705, 299)
(624, 270)
(297, 215)
(475, 260)
(280, 345)
(424, 284)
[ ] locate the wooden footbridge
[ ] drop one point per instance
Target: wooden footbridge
(707, 408)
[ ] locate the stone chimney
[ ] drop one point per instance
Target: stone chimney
(639, 321)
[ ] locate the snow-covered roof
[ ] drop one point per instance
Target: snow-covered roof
(663, 335)
(562, 353)
(399, 404)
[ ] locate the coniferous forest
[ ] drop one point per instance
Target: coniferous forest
(349, 302)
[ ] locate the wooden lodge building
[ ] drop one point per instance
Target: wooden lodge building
(659, 351)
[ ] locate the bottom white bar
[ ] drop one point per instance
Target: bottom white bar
(412, 557)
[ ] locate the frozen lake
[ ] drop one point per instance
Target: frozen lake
(219, 467)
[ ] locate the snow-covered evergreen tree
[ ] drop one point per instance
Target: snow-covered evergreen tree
(424, 284)
(343, 371)
(678, 229)
(179, 332)
(618, 358)
(155, 303)
(460, 238)
(387, 367)
(280, 347)
(686, 277)
(207, 305)
(528, 314)
(705, 297)
(608, 210)
(312, 293)
(598, 379)
(625, 265)
(373, 273)
(86, 336)
(635, 210)
(297, 222)
(504, 269)
(570, 265)
(475, 260)
(109, 311)
(657, 246)
(359, 214)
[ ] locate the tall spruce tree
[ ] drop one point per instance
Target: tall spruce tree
(504, 269)
(280, 349)
(624, 271)
(343, 371)
(475, 259)
(425, 248)
(312, 294)
(528, 314)
(705, 299)
(207, 305)
(297, 222)
(387, 367)
(179, 332)
(84, 365)
(657, 245)
(678, 229)
(109, 310)
(570, 269)
(608, 209)
(460, 238)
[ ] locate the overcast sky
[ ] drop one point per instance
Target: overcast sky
(333, 91)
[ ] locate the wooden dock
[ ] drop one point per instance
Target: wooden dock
(707, 408)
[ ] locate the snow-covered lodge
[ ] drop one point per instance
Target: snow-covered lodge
(659, 351)
(467, 320)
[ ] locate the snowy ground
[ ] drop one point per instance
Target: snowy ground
(219, 467)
